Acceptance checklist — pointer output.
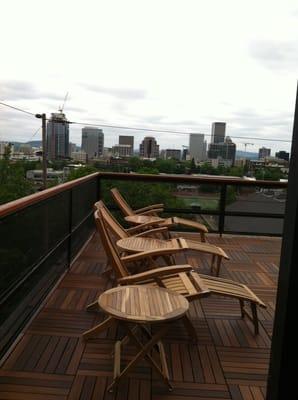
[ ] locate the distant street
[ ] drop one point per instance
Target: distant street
(259, 203)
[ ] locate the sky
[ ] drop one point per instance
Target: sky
(160, 64)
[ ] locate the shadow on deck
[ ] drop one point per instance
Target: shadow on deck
(51, 361)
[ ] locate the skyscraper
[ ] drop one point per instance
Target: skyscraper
(128, 141)
(57, 137)
(283, 155)
(264, 152)
(218, 132)
(225, 151)
(92, 141)
(197, 147)
(149, 148)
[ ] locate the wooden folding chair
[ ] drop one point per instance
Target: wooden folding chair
(179, 278)
(141, 242)
(154, 210)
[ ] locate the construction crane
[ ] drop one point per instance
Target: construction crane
(63, 104)
(247, 144)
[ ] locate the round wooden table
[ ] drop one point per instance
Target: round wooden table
(140, 306)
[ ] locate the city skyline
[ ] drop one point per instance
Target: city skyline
(128, 141)
(177, 89)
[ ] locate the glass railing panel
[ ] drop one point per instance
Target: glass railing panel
(27, 236)
(267, 205)
(37, 244)
(199, 202)
(83, 198)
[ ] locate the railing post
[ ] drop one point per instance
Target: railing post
(69, 229)
(222, 208)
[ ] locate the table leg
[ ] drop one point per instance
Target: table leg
(143, 353)
(99, 328)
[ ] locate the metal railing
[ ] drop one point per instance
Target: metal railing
(256, 205)
(42, 233)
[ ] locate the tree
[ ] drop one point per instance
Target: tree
(13, 183)
(192, 165)
(269, 174)
(80, 172)
(148, 170)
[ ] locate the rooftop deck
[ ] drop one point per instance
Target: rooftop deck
(52, 362)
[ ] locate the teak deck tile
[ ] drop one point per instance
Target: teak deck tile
(52, 362)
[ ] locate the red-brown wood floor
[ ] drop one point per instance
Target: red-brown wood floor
(53, 362)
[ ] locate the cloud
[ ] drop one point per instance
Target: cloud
(276, 54)
(253, 119)
(121, 93)
(249, 123)
(20, 90)
(74, 109)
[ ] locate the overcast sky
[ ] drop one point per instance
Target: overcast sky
(161, 64)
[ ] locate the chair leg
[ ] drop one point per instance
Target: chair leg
(218, 264)
(99, 328)
(212, 264)
(203, 237)
(242, 308)
(190, 329)
(107, 271)
(255, 320)
(93, 306)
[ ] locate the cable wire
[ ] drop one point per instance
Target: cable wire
(178, 132)
(147, 129)
(35, 133)
(17, 109)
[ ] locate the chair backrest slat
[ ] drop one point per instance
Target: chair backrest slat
(111, 221)
(121, 202)
(111, 252)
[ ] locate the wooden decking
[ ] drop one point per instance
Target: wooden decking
(52, 362)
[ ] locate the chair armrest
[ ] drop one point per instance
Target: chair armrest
(149, 254)
(155, 273)
(154, 211)
(152, 231)
(153, 206)
(141, 227)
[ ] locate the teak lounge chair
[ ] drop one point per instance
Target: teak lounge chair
(154, 210)
(138, 243)
(179, 278)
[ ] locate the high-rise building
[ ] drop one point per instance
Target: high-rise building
(174, 154)
(92, 141)
(218, 132)
(128, 141)
(80, 156)
(264, 152)
(72, 148)
(149, 148)
(122, 150)
(197, 147)
(185, 153)
(225, 151)
(57, 137)
(283, 155)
